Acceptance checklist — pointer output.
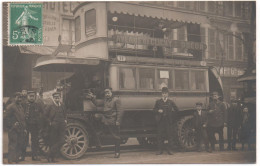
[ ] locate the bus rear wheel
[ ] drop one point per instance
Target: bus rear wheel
(185, 135)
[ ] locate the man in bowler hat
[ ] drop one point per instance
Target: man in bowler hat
(164, 109)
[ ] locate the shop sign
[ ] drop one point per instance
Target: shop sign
(231, 71)
(137, 40)
(65, 8)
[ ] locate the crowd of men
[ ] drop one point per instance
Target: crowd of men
(206, 123)
(27, 114)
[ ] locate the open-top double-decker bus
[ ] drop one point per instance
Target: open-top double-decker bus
(136, 63)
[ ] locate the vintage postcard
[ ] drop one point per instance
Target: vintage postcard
(129, 82)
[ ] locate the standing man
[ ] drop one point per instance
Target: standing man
(33, 114)
(233, 124)
(217, 119)
(112, 118)
(14, 119)
(165, 109)
(57, 121)
(200, 124)
(24, 97)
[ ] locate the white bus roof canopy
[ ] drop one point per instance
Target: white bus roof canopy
(63, 64)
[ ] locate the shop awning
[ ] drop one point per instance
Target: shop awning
(155, 12)
(250, 75)
(63, 64)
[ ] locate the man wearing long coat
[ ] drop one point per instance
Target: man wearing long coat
(217, 119)
(165, 109)
(57, 120)
(14, 120)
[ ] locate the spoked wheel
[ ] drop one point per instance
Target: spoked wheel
(77, 141)
(186, 136)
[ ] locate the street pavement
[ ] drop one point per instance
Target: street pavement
(132, 153)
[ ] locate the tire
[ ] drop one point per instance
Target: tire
(77, 141)
(185, 135)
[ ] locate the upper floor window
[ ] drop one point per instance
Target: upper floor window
(181, 79)
(68, 31)
(182, 35)
(90, 22)
(146, 78)
(211, 43)
(202, 5)
(228, 8)
(238, 7)
(239, 47)
(164, 79)
(198, 81)
(77, 29)
(230, 47)
(181, 4)
(127, 78)
(211, 6)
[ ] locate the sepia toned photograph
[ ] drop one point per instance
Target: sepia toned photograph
(129, 82)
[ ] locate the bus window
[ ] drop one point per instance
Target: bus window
(146, 77)
(181, 79)
(198, 82)
(127, 78)
(164, 79)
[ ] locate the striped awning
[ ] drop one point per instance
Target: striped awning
(155, 12)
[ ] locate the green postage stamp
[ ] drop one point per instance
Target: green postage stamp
(25, 24)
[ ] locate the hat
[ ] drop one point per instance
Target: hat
(199, 103)
(215, 93)
(108, 89)
(56, 93)
(17, 94)
(165, 89)
(31, 92)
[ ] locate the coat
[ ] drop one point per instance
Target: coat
(51, 109)
(234, 116)
(112, 111)
(14, 113)
(200, 120)
(33, 113)
(218, 116)
(169, 110)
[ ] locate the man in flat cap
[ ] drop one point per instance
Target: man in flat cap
(112, 117)
(57, 120)
(200, 119)
(217, 119)
(33, 114)
(14, 120)
(165, 110)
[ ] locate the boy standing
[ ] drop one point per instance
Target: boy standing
(200, 125)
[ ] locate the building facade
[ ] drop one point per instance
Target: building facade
(210, 31)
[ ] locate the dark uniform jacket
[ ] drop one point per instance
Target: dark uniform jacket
(112, 111)
(234, 116)
(33, 113)
(200, 120)
(218, 117)
(15, 113)
(169, 110)
(51, 111)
